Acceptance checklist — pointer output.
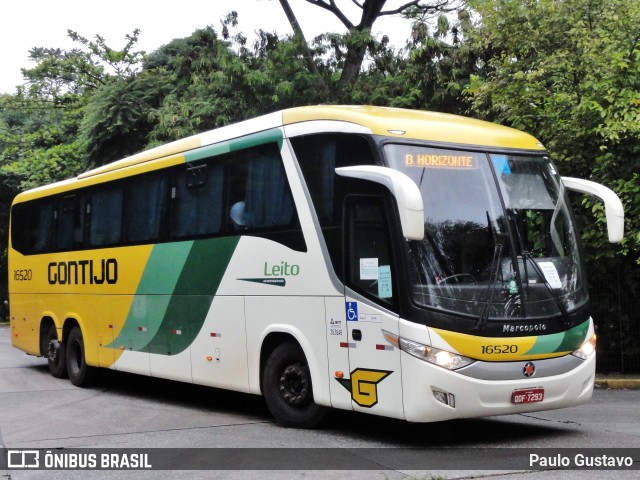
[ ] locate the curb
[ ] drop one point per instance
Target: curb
(617, 383)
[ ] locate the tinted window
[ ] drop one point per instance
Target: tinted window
(145, 208)
(244, 192)
(370, 266)
(318, 157)
(69, 225)
(196, 200)
(105, 215)
(260, 197)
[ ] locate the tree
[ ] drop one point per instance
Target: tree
(40, 124)
(358, 38)
(212, 79)
(578, 91)
(568, 71)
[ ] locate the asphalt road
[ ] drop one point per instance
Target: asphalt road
(126, 411)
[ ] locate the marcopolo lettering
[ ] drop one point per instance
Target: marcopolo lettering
(537, 327)
(84, 272)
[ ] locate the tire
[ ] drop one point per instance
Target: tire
(80, 374)
(55, 353)
(287, 388)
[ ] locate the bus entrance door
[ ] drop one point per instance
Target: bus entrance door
(375, 380)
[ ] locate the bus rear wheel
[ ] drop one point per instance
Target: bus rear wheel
(80, 374)
(287, 388)
(55, 352)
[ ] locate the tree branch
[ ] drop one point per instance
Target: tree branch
(416, 3)
(297, 31)
(333, 8)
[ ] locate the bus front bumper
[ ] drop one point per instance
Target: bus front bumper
(434, 393)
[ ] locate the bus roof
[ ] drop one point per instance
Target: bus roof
(414, 124)
(391, 122)
(419, 125)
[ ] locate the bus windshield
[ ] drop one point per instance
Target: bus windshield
(499, 239)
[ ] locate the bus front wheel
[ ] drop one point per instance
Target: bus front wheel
(80, 374)
(287, 389)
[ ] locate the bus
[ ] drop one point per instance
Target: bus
(409, 264)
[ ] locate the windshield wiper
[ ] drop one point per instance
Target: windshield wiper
(527, 256)
(486, 307)
(495, 265)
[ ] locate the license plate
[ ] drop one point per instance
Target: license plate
(527, 395)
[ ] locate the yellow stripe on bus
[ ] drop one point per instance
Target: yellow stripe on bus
(494, 349)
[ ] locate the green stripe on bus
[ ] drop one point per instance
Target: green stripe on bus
(158, 281)
(162, 272)
(561, 342)
(175, 294)
(574, 338)
(546, 343)
(248, 141)
(198, 283)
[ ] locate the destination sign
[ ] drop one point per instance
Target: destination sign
(464, 162)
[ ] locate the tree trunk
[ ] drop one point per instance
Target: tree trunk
(297, 30)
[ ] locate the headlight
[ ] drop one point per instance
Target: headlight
(586, 349)
(442, 358)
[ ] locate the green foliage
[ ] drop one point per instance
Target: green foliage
(568, 71)
(117, 120)
(208, 86)
(215, 81)
(38, 143)
(40, 125)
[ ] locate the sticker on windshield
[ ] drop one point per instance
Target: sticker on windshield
(550, 274)
(368, 269)
(501, 164)
(384, 282)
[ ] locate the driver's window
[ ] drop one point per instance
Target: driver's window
(369, 255)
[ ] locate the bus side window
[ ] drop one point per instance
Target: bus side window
(259, 191)
(318, 156)
(105, 216)
(32, 226)
(145, 206)
(197, 201)
(69, 216)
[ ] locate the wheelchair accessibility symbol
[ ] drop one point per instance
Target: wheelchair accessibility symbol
(351, 309)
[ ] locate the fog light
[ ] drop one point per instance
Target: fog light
(448, 399)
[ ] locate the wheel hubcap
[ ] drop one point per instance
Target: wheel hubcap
(54, 349)
(294, 385)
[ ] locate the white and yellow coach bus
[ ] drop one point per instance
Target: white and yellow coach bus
(409, 264)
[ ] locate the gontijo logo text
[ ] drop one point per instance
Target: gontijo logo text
(83, 272)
